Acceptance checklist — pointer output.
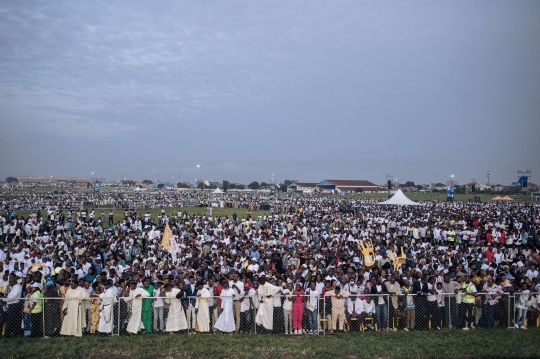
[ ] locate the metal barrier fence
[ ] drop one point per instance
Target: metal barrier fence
(278, 315)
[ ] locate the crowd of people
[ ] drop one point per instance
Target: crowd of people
(300, 268)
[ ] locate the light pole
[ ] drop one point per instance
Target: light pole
(202, 179)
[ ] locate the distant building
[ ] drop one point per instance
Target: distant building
(348, 186)
(301, 187)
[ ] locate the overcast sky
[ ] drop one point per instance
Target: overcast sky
(304, 90)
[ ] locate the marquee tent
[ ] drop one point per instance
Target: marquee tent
(399, 199)
(218, 191)
(498, 198)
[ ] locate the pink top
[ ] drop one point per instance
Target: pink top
(299, 299)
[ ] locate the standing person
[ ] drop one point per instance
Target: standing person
(409, 305)
(393, 288)
(212, 301)
(298, 309)
(522, 305)
(432, 302)
(52, 309)
(73, 309)
(111, 218)
(36, 310)
(106, 309)
(158, 306)
(265, 314)
(450, 288)
(287, 308)
(202, 308)
(338, 298)
(238, 286)
(135, 295)
(491, 304)
(176, 318)
(147, 310)
(14, 310)
(225, 322)
(380, 300)
(191, 292)
(312, 306)
(94, 310)
(469, 296)
(246, 309)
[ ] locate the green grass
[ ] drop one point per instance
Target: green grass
(502, 343)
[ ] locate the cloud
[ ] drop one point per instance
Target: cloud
(244, 86)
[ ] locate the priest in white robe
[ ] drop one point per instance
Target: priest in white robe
(225, 322)
(74, 313)
(265, 314)
(202, 309)
(176, 319)
(106, 317)
(135, 295)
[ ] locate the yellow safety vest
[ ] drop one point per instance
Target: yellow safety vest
(39, 304)
(467, 298)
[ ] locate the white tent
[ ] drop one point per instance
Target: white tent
(399, 199)
(218, 191)
(139, 189)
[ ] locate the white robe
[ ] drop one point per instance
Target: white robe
(176, 319)
(135, 322)
(225, 322)
(203, 313)
(75, 319)
(106, 317)
(265, 314)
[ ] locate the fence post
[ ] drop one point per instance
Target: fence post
(513, 309)
(388, 313)
(119, 315)
(324, 315)
(254, 318)
(43, 316)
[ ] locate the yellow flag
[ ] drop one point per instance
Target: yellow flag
(206, 183)
(166, 239)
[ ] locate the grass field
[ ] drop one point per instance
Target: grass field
(502, 343)
(119, 213)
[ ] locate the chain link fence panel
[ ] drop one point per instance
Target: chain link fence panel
(293, 315)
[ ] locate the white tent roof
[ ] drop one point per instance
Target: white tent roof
(218, 191)
(400, 199)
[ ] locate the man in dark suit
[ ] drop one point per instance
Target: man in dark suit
(380, 302)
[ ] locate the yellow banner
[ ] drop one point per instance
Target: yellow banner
(166, 239)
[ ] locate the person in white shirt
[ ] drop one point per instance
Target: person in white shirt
(14, 310)
(354, 312)
(158, 307)
(287, 308)
(312, 306)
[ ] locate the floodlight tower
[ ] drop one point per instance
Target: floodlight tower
(389, 179)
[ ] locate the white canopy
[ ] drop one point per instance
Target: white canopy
(218, 191)
(399, 199)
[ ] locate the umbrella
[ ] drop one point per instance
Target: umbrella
(506, 198)
(498, 198)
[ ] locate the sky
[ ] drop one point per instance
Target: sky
(247, 90)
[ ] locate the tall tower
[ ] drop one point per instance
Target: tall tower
(488, 176)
